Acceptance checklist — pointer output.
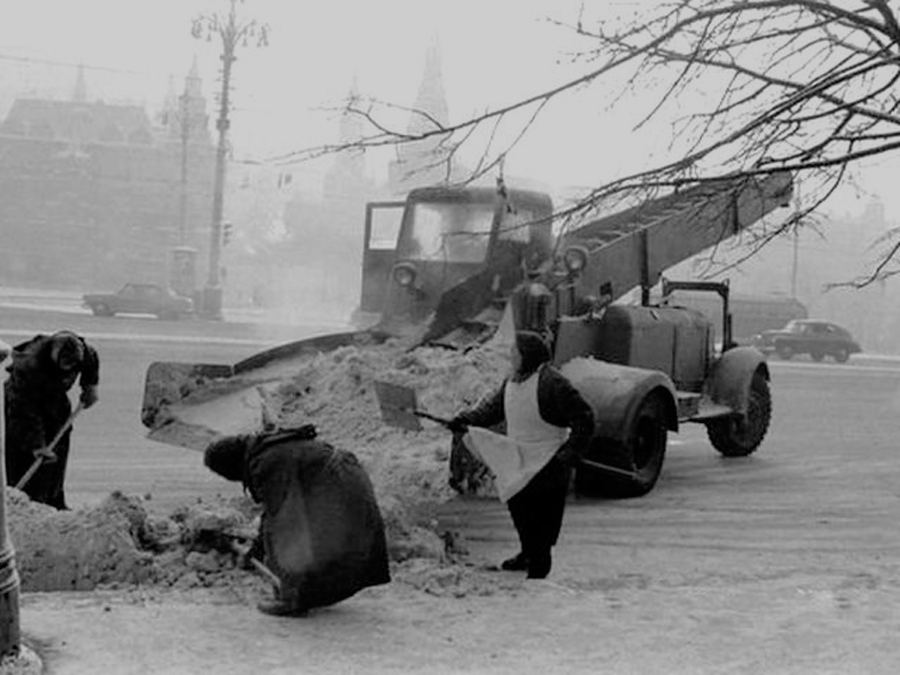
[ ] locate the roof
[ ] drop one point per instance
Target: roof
(480, 195)
(76, 120)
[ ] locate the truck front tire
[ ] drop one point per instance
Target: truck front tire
(643, 454)
(740, 435)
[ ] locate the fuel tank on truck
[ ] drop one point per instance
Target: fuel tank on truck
(674, 340)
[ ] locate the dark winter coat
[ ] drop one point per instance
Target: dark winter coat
(322, 530)
(537, 510)
(37, 405)
(559, 403)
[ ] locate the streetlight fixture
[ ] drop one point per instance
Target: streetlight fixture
(233, 31)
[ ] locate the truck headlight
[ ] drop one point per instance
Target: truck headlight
(575, 259)
(404, 274)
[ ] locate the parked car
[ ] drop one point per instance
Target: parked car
(807, 336)
(139, 299)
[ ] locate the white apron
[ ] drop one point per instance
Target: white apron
(528, 445)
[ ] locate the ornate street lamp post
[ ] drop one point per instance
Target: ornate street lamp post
(233, 32)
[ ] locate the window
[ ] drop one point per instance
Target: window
(385, 226)
(517, 226)
(453, 232)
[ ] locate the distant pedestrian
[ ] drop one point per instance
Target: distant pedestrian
(322, 533)
(37, 406)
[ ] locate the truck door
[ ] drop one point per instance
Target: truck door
(383, 221)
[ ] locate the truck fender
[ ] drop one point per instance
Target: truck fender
(615, 393)
(729, 383)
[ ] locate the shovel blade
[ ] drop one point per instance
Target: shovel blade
(398, 405)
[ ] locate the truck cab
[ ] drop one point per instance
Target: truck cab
(460, 248)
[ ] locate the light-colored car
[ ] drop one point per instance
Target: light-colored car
(139, 299)
(808, 336)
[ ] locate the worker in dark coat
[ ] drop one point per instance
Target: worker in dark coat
(548, 426)
(322, 531)
(41, 373)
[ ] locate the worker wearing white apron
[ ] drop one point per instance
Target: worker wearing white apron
(548, 425)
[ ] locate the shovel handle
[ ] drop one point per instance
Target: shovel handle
(36, 464)
(434, 418)
(260, 567)
(611, 469)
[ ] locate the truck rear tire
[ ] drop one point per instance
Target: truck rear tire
(643, 454)
(739, 436)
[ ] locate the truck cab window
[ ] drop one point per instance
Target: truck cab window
(451, 232)
(517, 226)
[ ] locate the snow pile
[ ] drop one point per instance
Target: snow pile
(336, 392)
(63, 550)
(117, 543)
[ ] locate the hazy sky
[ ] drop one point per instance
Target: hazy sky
(493, 51)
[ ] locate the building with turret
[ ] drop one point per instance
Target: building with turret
(94, 194)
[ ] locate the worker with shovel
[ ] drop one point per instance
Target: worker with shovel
(39, 414)
(322, 532)
(548, 426)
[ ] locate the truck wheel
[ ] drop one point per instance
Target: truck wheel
(101, 309)
(785, 352)
(643, 454)
(739, 436)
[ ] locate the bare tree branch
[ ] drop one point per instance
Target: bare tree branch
(808, 86)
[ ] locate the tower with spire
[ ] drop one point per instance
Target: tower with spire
(184, 115)
(193, 103)
(348, 173)
(424, 162)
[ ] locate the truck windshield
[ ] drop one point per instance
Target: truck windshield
(451, 232)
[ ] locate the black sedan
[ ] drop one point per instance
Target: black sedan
(139, 299)
(807, 336)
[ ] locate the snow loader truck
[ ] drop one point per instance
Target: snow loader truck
(465, 255)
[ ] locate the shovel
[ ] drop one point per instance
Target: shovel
(23, 481)
(258, 565)
(399, 408)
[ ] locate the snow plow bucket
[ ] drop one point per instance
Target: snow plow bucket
(193, 404)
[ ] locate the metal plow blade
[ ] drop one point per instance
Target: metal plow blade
(192, 404)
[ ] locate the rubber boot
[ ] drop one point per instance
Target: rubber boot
(539, 565)
(518, 563)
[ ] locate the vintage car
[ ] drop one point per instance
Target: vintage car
(139, 299)
(808, 336)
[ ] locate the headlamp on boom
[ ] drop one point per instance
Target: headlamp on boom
(575, 259)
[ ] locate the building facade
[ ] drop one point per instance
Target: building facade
(94, 194)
